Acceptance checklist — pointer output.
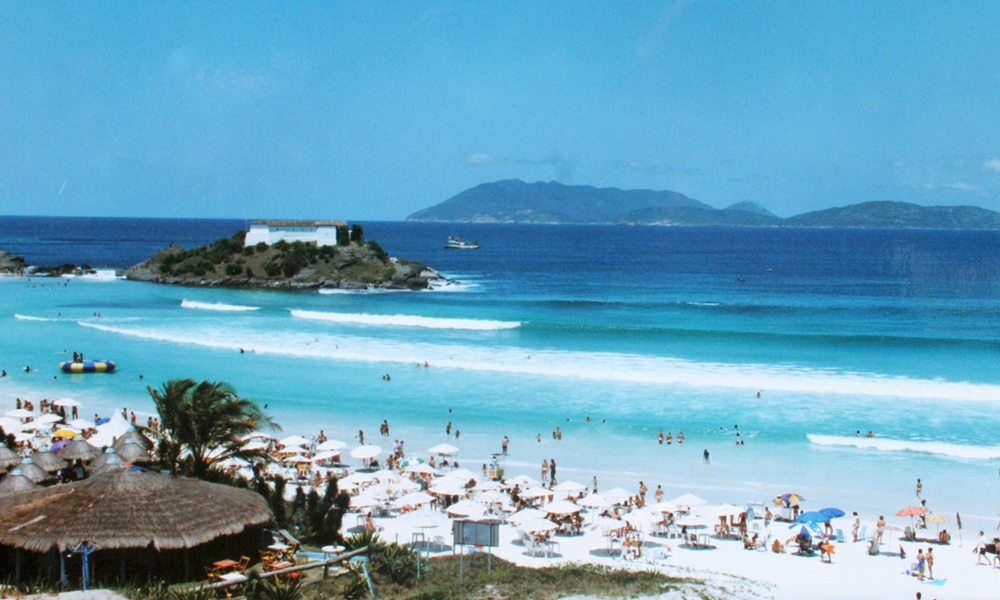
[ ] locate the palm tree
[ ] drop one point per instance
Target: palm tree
(206, 422)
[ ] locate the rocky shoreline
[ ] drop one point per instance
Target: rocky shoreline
(291, 266)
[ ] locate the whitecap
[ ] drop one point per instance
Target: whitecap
(406, 320)
(27, 318)
(217, 306)
(890, 445)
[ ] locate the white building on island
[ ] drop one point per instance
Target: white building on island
(324, 233)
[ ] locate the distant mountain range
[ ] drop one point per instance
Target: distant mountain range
(514, 201)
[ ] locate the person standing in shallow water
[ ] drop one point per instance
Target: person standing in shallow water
(706, 454)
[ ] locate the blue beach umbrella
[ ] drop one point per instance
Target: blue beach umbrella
(812, 517)
(802, 529)
(832, 513)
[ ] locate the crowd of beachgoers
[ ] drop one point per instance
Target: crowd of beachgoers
(415, 499)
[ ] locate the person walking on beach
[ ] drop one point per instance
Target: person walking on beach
(545, 471)
(856, 526)
(642, 492)
(595, 484)
(879, 529)
(658, 494)
(503, 445)
(361, 437)
(919, 489)
(921, 565)
(552, 471)
(706, 455)
(929, 558)
(980, 545)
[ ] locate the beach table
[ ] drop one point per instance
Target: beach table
(704, 540)
(277, 566)
(233, 577)
(278, 547)
(224, 565)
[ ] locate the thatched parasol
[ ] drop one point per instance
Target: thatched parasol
(137, 437)
(8, 458)
(111, 462)
(96, 464)
(32, 471)
(132, 452)
(15, 482)
(79, 448)
(128, 509)
(48, 461)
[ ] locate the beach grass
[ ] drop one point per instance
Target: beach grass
(442, 581)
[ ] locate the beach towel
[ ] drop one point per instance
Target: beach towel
(934, 581)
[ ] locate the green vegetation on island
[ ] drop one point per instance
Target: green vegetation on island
(351, 264)
(514, 201)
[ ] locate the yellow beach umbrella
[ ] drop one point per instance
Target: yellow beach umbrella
(65, 433)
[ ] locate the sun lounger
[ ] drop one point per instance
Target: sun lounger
(840, 536)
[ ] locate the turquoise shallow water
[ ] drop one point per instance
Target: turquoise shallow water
(640, 329)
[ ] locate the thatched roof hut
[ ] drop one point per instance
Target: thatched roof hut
(32, 471)
(132, 452)
(121, 509)
(8, 458)
(96, 464)
(15, 482)
(137, 437)
(79, 448)
(48, 461)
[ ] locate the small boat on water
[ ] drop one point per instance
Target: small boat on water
(457, 243)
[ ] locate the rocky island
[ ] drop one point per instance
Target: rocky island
(11, 263)
(346, 263)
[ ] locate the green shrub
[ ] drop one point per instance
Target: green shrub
(248, 250)
(379, 252)
(358, 234)
(233, 270)
(261, 246)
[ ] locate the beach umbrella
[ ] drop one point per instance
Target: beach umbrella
(410, 461)
(523, 481)
(913, 511)
(937, 519)
(664, 507)
(692, 521)
(293, 440)
(402, 486)
(366, 452)
(721, 510)
(487, 485)
(80, 449)
(363, 501)
(641, 518)
(423, 518)
(570, 486)
(81, 424)
(15, 482)
(526, 515)
(562, 507)
(32, 471)
(48, 461)
(443, 450)
(466, 508)
(422, 468)
(331, 445)
(463, 476)
(295, 458)
(414, 499)
(832, 513)
(803, 529)
(19, 413)
(293, 450)
(10, 425)
(493, 497)
(535, 492)
(65, 433)
(812, 517)
(617, 495)
(594, 501)
(385, 475)
(688, 500)
(132, 452)
(358, 478)
(791, 498)
(8, 458)
(48, 418)
(255, 445)
(59, 445)
(448, 488)
(538, 525)
(326, 455)
(66, 402)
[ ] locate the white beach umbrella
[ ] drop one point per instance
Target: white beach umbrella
(255, 445)
(444, 450)
(81, 424)
(448, 488)
(523, 481)
(385, 475)
(537, 525)
(525, 515)
(294, 450)
(466, 508)
(688, 500)
(358, 478)
(423, 518)
(721, 510)
(594, 501)
(331, 445)
(463, 475)
(641, 518)
(535, 492)
(493, 497)
(66, 402)
(692, 521)
(363, 501)
(23, 436)
(293, 440)
(663, 507)
(617, 495)
(569, 486)
(487, 485)
(19, 413)
(296, 458)
(10, 425)
(326, 455)
(366, 452)
(421, 468)
(48, 418)
(413, 499)
(402, 486)
(562, 507)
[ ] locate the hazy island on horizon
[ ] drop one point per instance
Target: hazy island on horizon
(515, 201)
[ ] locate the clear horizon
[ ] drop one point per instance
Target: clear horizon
(372, 111)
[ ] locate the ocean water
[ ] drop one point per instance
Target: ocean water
(637, 329)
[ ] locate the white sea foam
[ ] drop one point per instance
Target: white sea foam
(599, 366)
(406, 320)
(98, 275)
(335, 291)
(889, 445)
(217, 306)
(27, 318)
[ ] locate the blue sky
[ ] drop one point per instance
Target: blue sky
(374, 110)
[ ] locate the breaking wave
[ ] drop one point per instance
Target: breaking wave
(217, 306)
(889, 445)
(406, 320)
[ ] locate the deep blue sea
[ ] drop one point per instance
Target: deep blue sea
(641, 329)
